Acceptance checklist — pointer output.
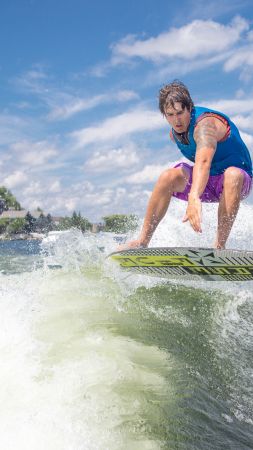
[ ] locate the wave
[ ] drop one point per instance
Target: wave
(93, 358)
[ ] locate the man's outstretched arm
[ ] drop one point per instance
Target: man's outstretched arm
(206, 136)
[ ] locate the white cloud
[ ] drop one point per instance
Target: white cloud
(241, 59)
(33, 158)
(73, 105)
(55, 187)
(188, 42)
(33, 188)
(79, 202)
(179, 67)
(248, 139)
(104, 198)
(57, 198)
(148, 174)
(194, 46)
(215, 8)
(241, 106)
(244, 122)
(63, 104)
(17, 178)
(34, 153)
(33, 193)
(99, 70)
(241, 56)
(12, 128)
(33, 81)
(122, 125)
(82, 188)
(125, 96)
(70, 204)
(109, 160)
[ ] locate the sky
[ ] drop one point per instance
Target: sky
(80, 128)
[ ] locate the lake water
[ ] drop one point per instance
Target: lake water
(94, 358)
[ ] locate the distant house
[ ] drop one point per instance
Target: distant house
(57, 220)
(15, 214)
(96, 227)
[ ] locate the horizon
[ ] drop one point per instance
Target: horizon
(45, 214)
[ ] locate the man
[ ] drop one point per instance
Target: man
(222, 170)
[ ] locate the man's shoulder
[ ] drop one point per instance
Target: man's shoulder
(213, 118)
(212, 123)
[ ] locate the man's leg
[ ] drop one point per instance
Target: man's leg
(229, 204)
(171, 180)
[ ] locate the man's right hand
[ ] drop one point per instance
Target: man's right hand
(193, 214)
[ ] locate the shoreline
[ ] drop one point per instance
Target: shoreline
(22, 237)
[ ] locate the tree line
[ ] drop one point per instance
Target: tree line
(42, 224)
(120, 223)
(117, 223)
(31, 224)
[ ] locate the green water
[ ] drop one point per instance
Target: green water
(92, 359)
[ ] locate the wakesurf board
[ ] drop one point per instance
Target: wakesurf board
(187, 263)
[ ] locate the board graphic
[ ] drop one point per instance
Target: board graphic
(187, 263)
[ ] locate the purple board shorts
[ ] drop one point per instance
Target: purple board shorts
(214, 187)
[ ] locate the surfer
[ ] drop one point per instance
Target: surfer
(222, 170)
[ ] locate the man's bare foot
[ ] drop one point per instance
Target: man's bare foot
(219, 246)
(131, 244)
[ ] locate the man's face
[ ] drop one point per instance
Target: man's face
(178, 117)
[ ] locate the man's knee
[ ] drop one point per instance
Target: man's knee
(173, 178)
(233, 177)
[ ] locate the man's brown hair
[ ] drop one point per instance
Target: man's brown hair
(173, 93)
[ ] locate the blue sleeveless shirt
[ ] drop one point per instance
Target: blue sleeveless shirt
(230, 152)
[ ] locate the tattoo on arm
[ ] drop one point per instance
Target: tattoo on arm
(205, 134)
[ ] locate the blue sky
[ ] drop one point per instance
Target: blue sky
(79, 122)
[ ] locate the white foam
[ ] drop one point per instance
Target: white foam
(67, 380)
